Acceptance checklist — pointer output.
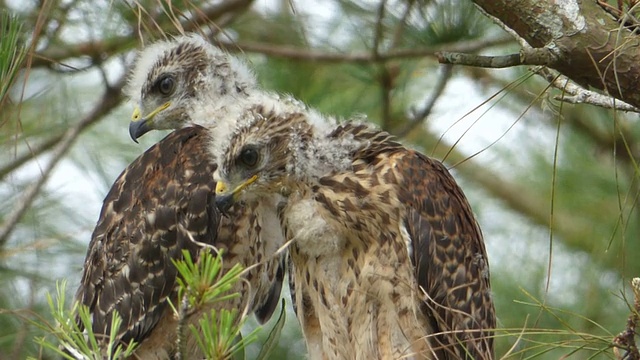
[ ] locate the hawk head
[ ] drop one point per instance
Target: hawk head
(173, 81)
(262, 158)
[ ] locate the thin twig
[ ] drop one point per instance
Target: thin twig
(576, 94)
(524, 57)
(379, 30)
(604, 140)
(294, 53)
(384, 76)
(37, 150)
(181, 343)
(626, 340)
(399, 31)
(63, 52)
(33, 152)
(418, 117)
(111, 98)
(95, 49)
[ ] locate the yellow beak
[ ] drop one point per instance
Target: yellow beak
(140, 125)
(222, 187)
(225, 198)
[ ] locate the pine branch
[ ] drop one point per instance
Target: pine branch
(118, 44)
(12, 53)
(576, 94)
(626, 340)
(201, 284)
(295, 53)
(525, 57)
(75, 339)
(110, 99)
(418, 117)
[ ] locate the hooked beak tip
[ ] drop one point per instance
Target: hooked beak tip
(224, 203)
(138, 128)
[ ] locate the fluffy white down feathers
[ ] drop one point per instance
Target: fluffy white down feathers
(212, 105)
(356, 174)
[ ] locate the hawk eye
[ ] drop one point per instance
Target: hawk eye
(249, 157)
(166, 84)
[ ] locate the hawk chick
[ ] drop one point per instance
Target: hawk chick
(163, 203)
(388, 260)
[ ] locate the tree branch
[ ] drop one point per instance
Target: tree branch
(110, 99)
(588, 46)
(419, 117)
(294, 53)
(384, 77)
(33, 152)
(576, 94)
(525, 57)
(116, 44)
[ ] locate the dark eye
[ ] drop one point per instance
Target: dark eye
(249, 157)
(166, 84)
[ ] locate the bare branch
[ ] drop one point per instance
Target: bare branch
(384, 76)
(579, 95)
(418, 117)
(110, 99)
(402, 24)
(116, 44)
(525, 57)
(30, 154)
(590, 47)
(295, 53)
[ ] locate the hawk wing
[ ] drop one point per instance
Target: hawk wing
(449, 257)
(143, 225)
(444, 241)
(160, 203)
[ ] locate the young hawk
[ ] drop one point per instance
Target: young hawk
(188, 81)
(388, 260)
(161, 204)
(429, 259)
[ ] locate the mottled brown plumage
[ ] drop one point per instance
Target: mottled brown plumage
(388, 260)
(162, 203)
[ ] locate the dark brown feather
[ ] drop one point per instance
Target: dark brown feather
(138, 234)
(160, 203)
(448, 251)
(387, 258)
(449, 257)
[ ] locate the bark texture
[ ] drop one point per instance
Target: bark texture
(588, 44)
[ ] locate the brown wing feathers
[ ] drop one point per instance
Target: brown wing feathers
(447, 248)
(128, 268)
(449, 257)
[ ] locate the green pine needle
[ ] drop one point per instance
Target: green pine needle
(274, 336)
(70, 335)
(219, 336)
(12, 51)
(202, 282)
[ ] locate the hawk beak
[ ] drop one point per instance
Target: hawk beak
(225, 198)
(140, 125)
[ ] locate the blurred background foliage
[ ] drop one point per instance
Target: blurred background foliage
(554, 185)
